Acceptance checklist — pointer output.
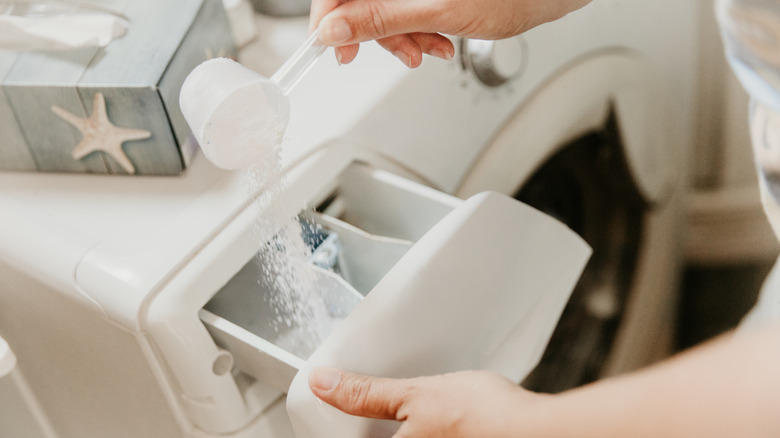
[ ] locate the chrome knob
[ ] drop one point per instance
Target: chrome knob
(494, 62)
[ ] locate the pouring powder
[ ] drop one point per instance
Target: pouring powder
(302, 319)
(239, 118)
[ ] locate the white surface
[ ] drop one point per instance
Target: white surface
(16, 418)
(22, 414)
(77, 232)
(483, 289)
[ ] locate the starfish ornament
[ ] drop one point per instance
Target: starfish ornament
(99, 134)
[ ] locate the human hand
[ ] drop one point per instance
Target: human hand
(463, 404)
(409, 28)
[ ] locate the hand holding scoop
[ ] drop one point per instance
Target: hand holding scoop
(237, 115)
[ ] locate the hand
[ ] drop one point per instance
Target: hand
(409, 28)
(462, 404)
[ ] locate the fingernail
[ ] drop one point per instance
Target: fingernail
(324, 379)
(338, 55)
(337, 31)
(441, 54)
(403, 57)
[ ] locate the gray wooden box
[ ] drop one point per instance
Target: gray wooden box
(134, 82)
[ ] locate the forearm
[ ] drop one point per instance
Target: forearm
(727, 388)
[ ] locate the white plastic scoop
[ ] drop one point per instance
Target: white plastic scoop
(237, 115)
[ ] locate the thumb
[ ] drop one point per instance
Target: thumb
(355, 394)
(366, 20)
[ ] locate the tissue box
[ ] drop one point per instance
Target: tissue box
(110, 110)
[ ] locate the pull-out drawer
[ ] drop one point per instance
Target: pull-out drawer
(365, 225)
(448, 285)
(412, 281)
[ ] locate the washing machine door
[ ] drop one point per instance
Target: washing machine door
(578, 100)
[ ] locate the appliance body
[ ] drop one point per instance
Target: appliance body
(103, 281)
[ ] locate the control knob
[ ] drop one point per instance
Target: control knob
(494, 62)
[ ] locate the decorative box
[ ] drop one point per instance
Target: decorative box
(115, 109)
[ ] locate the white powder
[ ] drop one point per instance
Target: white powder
(302, 320)
(239, 119)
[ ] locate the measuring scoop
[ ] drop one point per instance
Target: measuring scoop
(237, 115)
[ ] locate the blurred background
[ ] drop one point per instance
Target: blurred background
(729, 245)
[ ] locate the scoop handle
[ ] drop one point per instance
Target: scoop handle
(299, 63)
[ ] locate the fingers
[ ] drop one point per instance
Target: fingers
(320, 8)
(369, 18)
(364, 396)
(346, 54)
(409, 48)
(358, 21)
(435, 45)
(405, 48)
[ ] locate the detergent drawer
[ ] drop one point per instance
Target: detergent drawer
(364, 223)
(434, 262)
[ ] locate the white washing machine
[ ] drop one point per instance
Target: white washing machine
(104, 280)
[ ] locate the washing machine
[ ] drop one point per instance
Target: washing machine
(113, 290)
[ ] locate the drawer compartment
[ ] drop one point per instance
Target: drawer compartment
(366, 222)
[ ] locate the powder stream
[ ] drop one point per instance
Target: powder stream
(302, 320)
